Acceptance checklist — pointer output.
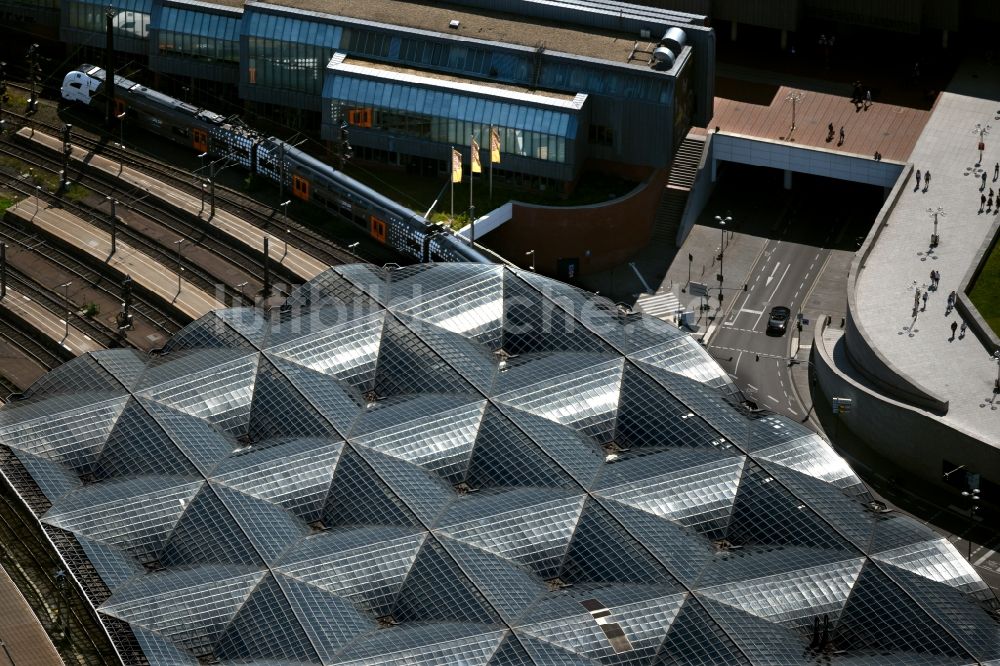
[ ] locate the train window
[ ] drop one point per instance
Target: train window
(378, 229)
(300, 187)
(180, 131)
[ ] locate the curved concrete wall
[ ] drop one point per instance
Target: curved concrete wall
(865, 358)
(915, 440)
(600, 235)
(964, 304)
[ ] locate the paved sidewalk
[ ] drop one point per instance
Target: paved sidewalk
(923, 347)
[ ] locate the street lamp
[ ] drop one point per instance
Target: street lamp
(531, 253)
(722, 240)
(996, 385)
(973, 496)
(982, 130)
(114, 224)
(353, 245)
(121, 122)
(794, 97)
(935, 212)
(178, 244)
(65, 288)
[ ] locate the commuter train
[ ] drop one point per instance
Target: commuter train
(307, 178)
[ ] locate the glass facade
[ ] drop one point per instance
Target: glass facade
(286, 53)
(468, 464)
(452, 117)
(131, 20)
(197, 34)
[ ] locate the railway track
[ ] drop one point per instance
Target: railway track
(28, 346)
(246, 207)
(161, 318)
(7, 387)
(99, 333)
(171, 224)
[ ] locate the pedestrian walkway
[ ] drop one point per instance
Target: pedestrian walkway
(889, 129)
(47, 323)
(923, 348)
(300, 263)
(665, 306)
(146, 271)
(22, 636)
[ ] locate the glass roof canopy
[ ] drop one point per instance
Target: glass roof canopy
(467, 464)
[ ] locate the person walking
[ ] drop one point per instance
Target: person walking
(868, 99)
(842, 140)
(961, 330)
(918, 180)
(989, 202)
(996, 171)
(954, 327)
(982, 202)
(984, 182)
(927, 179)
(924, 309)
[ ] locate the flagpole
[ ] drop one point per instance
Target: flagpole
(451, 177)
(472, 175)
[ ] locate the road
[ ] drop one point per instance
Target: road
(785, 273)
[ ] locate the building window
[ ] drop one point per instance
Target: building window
(600, 135)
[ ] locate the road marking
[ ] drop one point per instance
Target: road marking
(777, 286)
(792, 410)
(751, 387)
(756, 312)
(659, 304)
(986, 556)
(773, 398)
(738, 362)
(773, 271)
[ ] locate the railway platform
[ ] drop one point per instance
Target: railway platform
(24, 639)
(296, 261)
(48, 324)
(158, 279)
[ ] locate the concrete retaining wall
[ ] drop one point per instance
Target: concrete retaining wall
(914, 439)
(599, 236)
(964, 304)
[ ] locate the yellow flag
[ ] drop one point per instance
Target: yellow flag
(456, 166)
(477, 166)
(494, 145)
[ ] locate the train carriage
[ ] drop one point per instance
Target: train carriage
(306, 177)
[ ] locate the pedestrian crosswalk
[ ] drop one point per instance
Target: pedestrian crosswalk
(663, 306)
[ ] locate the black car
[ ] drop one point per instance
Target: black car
(777, 321)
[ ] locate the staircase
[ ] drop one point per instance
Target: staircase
(683, 169)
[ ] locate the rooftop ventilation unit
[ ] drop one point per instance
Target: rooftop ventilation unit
(663, 58)
(453, 24)
(674, 39)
